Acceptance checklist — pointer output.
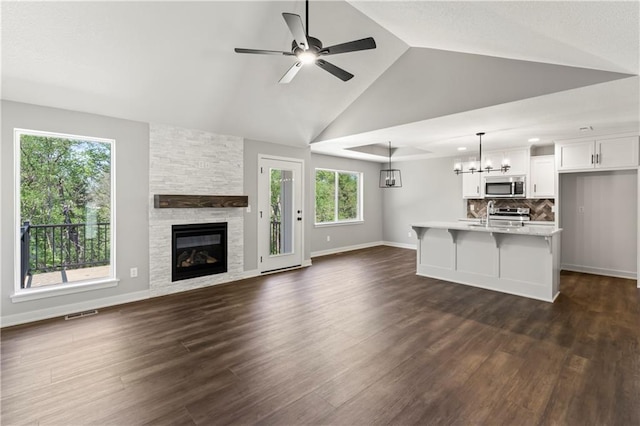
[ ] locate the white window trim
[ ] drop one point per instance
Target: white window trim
(360, 219)
(25, 294)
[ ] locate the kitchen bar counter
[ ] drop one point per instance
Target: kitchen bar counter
(518, 260)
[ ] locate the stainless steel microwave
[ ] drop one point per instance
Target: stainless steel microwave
(504, 187)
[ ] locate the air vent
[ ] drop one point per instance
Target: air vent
(81, 314)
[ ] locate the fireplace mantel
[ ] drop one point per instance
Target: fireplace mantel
(161, 201)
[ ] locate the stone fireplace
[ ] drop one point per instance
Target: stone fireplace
(195, 162)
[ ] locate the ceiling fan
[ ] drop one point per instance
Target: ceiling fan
(309, 50)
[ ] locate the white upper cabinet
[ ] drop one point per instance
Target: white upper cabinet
(542, 177)
(470, 182)
(618, 152)
(614, 153)
(517, 159)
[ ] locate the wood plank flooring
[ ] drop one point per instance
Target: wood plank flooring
(357, 338)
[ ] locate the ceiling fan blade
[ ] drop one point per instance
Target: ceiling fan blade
(262, 52)
(338, 72)
(288, 76)
(294, 22)
(351, 46)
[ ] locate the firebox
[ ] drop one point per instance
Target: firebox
(198, 250)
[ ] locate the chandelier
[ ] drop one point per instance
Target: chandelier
(488, 168)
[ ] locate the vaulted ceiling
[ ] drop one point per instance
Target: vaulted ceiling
(441, 70)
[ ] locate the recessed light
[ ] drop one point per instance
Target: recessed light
(462, 148)
(534, 140)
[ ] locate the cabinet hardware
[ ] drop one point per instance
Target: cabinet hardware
(477, 189)
(597, 158)
(591, 158)
(535, 188)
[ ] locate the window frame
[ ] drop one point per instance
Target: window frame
(26, 294)
(336, 221)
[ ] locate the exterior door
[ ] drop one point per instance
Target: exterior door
(280, 215)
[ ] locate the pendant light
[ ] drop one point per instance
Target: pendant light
(488, 168)
(390, 178)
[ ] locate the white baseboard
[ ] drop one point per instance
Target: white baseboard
(411, 246)
(62, 310)
(346, 248)
(600, 271)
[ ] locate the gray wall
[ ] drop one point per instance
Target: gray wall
(603, 237)
(132, 189)
(252, 149)
(430, 191)
(356, 234)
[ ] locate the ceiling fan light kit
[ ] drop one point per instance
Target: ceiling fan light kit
(308, 50)
(488, 167)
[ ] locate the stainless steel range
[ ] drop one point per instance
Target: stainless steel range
(508, 216)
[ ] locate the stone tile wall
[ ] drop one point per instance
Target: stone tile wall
(540, 208)
(185, 161)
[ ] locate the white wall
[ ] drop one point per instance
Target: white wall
(356, 235)
(598, 215)
(132, 189)
(430, 191)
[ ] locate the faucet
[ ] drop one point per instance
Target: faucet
(489, 208)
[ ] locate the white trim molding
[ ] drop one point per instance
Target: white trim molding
(62, 310)
(409, 246)
(346, 248)
(600, 271)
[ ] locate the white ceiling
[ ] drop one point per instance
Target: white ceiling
(173, 63)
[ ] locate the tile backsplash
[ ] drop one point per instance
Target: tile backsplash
(541, 209)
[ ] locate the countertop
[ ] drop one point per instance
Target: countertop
(530, 222)
(534, 230)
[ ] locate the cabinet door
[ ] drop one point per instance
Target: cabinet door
(543, 169)
(470, 183)
(518, 160)
(576, 156)
(618, 152)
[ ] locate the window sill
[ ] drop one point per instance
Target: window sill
(352, 222)
(62, 289)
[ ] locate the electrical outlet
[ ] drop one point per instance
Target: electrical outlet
(553, 209)
(409, 234)
(249, 208)
(134, 272)
(472, 207)
(328, 237)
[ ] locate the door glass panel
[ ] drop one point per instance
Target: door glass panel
(281, 212)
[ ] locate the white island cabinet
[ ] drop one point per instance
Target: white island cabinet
(523, 261)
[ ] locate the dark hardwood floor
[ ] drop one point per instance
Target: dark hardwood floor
(357, 338)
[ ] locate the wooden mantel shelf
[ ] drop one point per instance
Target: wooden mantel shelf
(161, 201)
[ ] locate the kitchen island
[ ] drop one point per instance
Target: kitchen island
(523, 260)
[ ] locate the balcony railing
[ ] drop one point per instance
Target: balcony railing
(51, 248)
(274, 238)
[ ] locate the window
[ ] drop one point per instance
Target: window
(65, 187)
(338, 196)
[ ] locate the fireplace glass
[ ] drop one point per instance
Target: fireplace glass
(199, 250)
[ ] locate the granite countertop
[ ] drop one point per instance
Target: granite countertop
(540, 231)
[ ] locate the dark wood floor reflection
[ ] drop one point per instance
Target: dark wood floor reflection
(357, 338)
